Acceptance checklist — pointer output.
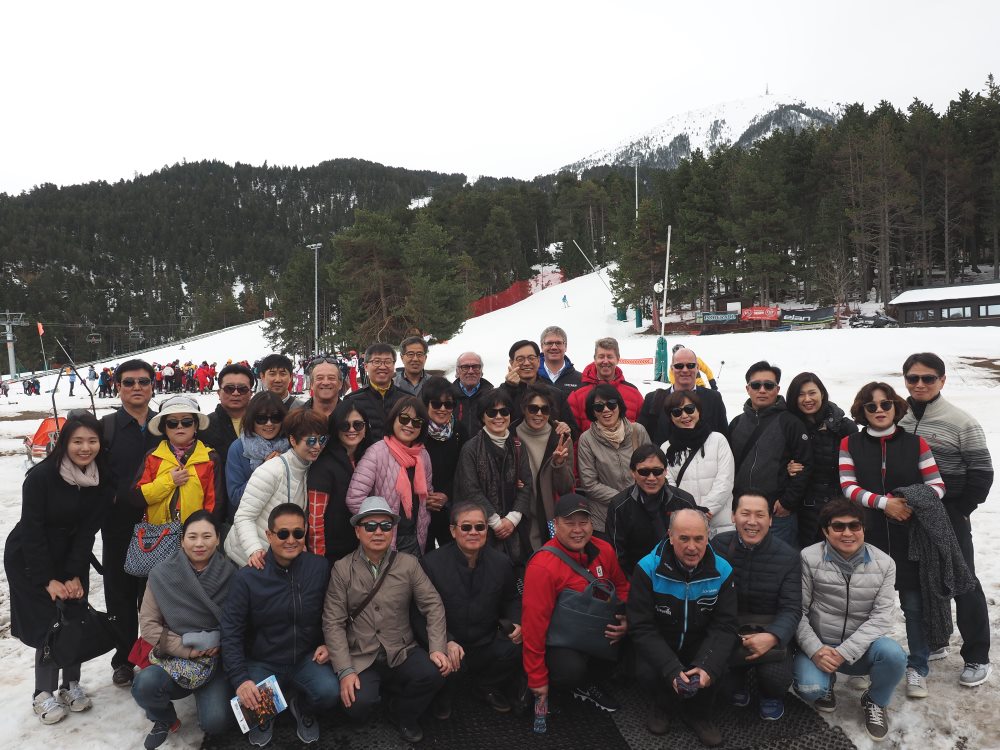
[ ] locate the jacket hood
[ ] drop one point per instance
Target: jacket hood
(589, 376)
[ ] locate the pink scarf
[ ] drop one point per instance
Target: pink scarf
(408, 458)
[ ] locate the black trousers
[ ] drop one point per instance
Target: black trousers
(773, 680)
(122, 592)
(415, 682)
(491, 665)
(569, 668)
(700, 705)
(971, 613)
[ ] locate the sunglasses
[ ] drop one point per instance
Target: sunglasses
(405, 420)
(263, 419)
(767, 385)
(240, 389)
(372, 526)
(656, 472)
(313, 440)
(537, 409)
(925, 379)
(873, 406)
(465, 528)
(446, 405)
(841, 526)
(133, 382)
(686, 409)
(173, 424)
(320, 360)
(283, 534)
(682, 365)
(503, 411)
(357, 426)
(600, 406)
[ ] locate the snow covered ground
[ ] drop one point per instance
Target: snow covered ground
(953, 717)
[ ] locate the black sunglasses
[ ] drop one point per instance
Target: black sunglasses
(240, 389)
(357, 426)
(446, 405)
(283, 534)
(767, 385)
(925, 379)
(600, 406)
(537, 409)
(682, 365)
(873, 406)
(263, 419)
(656, 472)
(686, 409)
(467, 527)
(503, 411)
(173, 424)
(372, 526)
(406, 419)
(132, 382)
(841, 526)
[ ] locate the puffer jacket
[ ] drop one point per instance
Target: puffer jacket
(604, 470)
(578, 398)
(201, 491)
(709, 479)
(825, 435)
(280, 480)
(846, 613)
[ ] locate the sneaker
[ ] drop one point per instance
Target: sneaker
(497, 701)
(705, 730)
(412, 734)
(876, 718)
(158, 734)
(594, 694)
(771, 709)
(657, 721)
(260, 734)
(974, 674)
(122, 675)
(859, 682)
(305, 724)
(48, 708)
(938, 653)
(916, 684)
(74, 698)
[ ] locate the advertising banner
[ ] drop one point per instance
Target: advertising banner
(760, 313)
(716, 317)
(823, 315)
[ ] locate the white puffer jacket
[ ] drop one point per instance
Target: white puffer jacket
(709, 478)
(280, 480)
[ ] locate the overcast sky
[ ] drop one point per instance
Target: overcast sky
(104, 90)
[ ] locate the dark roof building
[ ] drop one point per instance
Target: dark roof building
(962, 305)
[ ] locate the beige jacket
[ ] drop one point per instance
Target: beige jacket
(154, 630)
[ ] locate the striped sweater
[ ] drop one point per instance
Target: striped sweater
(872, 499)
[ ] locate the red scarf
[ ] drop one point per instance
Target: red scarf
(408, 458)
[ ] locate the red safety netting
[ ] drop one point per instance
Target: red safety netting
(516, 292)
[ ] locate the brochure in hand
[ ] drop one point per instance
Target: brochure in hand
(272, 703)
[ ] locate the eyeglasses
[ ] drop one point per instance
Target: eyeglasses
(655, 471)
(873, 406)
(313, 440)
(133, 382)
(842, 526)
(446, 405)
(263, 419)
(406, 419)
(767, 385)
(686, 409)
(470, 368)
(414, 355)
(925, 379)
(611, 404)
(526, 360)
(554, 342)
(537, 409)
(503, 411)
(372, 526)
(381, 362)
(283, 534)
(357, 426)
(240, 389)
(173, 424)
(465, 528)
(682, 365)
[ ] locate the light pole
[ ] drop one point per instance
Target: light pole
(315, 248)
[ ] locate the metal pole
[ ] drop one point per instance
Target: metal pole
(666, 277)
(315, 248)
(637, 192)
(10, 348)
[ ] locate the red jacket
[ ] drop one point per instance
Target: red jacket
(578, 398)
(544, 578)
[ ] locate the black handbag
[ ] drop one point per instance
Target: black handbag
(79, 633)
(580, 618)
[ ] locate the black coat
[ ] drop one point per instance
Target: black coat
(657, 421)
(825, 435)
(219, 436)
(53, 540)
(376, 407)
(633, 528)
(467, 407)
(768, 581)
(563, 412)
(331, 474)
(444, 459)
(126, 444)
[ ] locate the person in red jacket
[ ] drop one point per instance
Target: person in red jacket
(604, 369)
(546, 576)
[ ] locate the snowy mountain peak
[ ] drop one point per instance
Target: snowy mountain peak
(738, 123)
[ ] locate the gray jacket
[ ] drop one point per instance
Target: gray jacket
(604, 470)
(846, 614)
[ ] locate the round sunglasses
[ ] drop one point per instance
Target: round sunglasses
(406, 419)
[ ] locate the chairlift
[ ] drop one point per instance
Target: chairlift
(94, 338)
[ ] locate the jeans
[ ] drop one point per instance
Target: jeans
(971, 613)
(154, 691)
(786, 528)
(913, 605)
(884, 662)
(316, 683)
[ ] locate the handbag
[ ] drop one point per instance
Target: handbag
(189, 674)
(153, 542)
(580, 618)
(78, 633)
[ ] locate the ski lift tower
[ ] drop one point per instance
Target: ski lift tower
(10, 320)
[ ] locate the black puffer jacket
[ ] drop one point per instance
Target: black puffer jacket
(636, 523)
(768, 581)
(825, 435)
(376, 407)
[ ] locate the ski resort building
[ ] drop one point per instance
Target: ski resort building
(962, 305)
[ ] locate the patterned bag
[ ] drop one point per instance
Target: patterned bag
(150, 544)
(189, 674)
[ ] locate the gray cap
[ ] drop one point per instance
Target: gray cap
(373, 506)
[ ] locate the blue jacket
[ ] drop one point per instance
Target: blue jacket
(238, 473)
(680, 620)
(274, 615)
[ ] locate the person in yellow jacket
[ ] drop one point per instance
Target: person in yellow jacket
(181, 475)
(703, 369)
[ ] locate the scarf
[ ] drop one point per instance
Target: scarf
(74, 475)
(182, 452)
(615, 436)
(500, 441)
(684, 440)
(408, 458)
(440, 432)
(535, 441)
(846, 565)
(257, 448)
(191, 602)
